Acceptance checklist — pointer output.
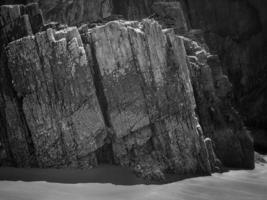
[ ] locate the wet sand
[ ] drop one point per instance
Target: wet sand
(232, 185)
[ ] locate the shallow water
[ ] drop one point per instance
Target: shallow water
(235, 185)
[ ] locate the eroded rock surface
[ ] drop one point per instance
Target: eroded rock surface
(75, 12)
(149, 96)
(51, 74)
(219, 120)
(124, 97)
(236, 31)
(16, 21)
(118, 93)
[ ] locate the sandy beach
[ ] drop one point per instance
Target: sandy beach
(119, 184)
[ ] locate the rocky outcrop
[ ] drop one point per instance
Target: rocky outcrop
(117, 93)
(76, 12)
(78, 102)
(150, 101)
(71, 12)
(219, 120)
(170, 14)
(52, 77)
(212, 88)
(236, 31)
(16, 21)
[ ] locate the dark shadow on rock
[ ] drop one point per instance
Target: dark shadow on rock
(102, 174)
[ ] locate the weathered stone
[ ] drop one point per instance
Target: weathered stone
(170, 14)
(52, 112)
(75, 12)
(219, 120)
(237, 32)
(15, 22)
(149, 96)
(215, 163)
(20, 27)
(51, 75)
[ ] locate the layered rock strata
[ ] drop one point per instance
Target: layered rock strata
(119, 93)
(51, 74)
(212, 89)
(236, 31)
(220, 121)
(76, 12)
(146, 109)
(16, 21)
(150, 100)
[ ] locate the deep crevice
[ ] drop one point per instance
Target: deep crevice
(27, 133)
(99, 87)
(105, 153)
(22, 117)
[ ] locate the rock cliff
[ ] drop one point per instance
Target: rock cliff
(236, 31)
(121, 93)
(131, 93)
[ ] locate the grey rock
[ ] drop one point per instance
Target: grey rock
(218, 118)
(51, 74)
(149, 96)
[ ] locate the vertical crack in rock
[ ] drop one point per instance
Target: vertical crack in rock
(219, 120)
(16, 21)
(98, 82)
(105, 153)
(28, 134)
(120, 94)
(150, 101)
(60, 103)
(19, 135)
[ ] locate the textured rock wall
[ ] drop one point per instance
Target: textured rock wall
(212, 88)
(51, 75)
(75, 12)
(71, 12)
(76, 106)
(121, 93)
(236, 31)
(219, 120)
(150, 100)
(18, 149)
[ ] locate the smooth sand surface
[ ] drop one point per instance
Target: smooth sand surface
(232, 185)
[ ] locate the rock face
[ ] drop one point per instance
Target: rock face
(71, 12)
(170, 14)
(51, 74)
(127, 92)
(236, 31)
(75, 12)
(15, 22)
(121, 94)
(219, 120)
(212, 89)
(149, 96)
